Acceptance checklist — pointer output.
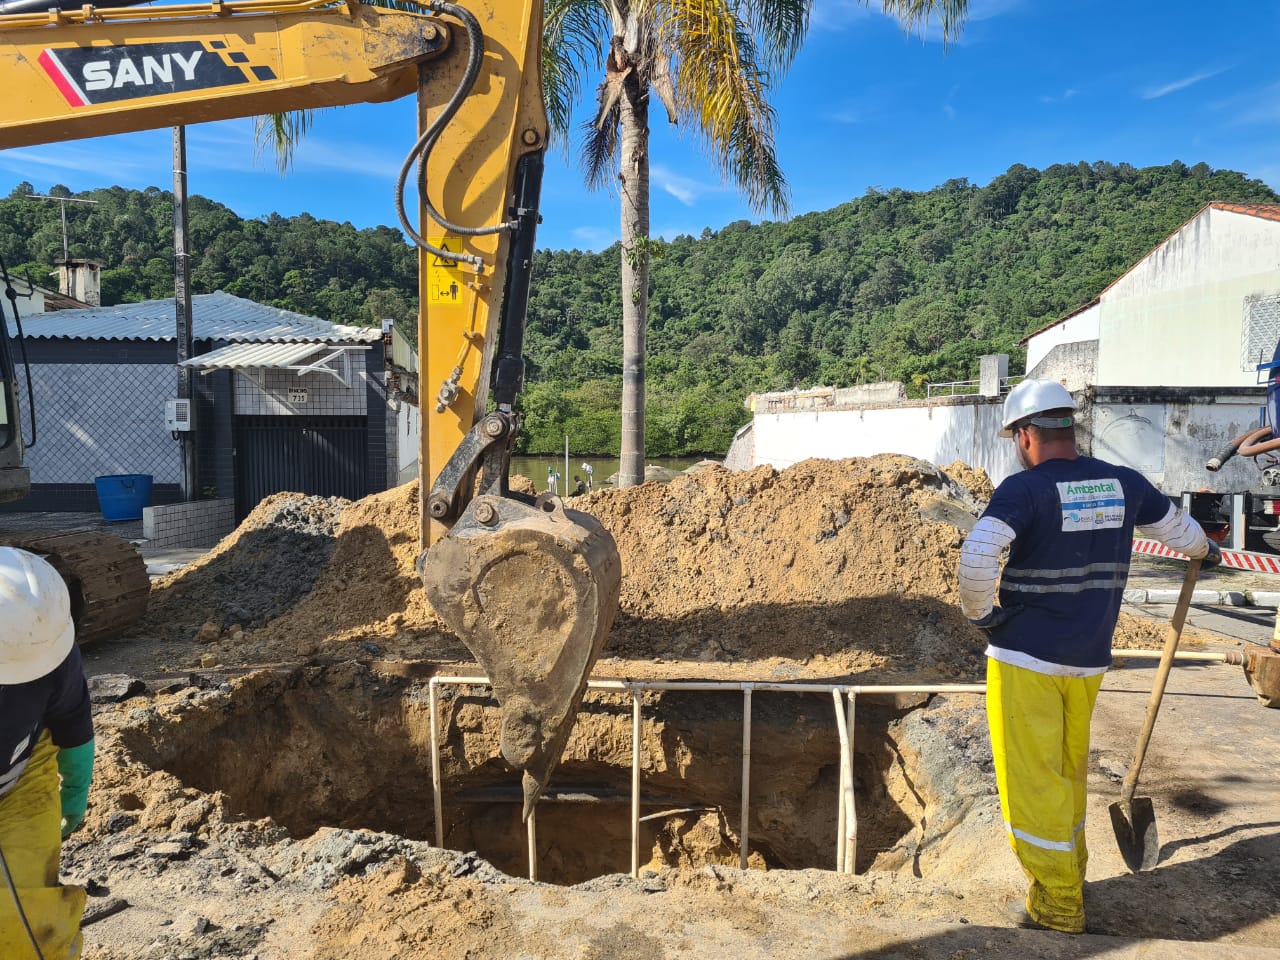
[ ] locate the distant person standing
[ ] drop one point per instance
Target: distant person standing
(1067, 521)
(46, 759)
(579, 487)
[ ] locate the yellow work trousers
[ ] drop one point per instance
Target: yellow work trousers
(1040, 742)
(31, 840)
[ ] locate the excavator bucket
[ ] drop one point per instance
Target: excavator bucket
(532, 589)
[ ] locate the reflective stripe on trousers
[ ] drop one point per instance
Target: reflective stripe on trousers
(1040, 743)
(31, 839)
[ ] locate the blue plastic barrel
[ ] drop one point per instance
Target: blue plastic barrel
(123, 495)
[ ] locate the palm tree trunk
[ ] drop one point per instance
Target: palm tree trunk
(634, 180)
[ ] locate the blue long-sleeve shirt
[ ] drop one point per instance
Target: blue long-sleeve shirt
(57, 702)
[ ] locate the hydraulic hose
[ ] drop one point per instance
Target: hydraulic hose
(422, 148)
(1249, 444)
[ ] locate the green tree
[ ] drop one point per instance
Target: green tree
(711, 63)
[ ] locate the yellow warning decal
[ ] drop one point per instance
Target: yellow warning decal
(445, 278)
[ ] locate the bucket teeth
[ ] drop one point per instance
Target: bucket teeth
(532, 593)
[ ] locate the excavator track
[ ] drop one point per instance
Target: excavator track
(106, 576)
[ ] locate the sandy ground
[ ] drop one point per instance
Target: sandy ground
(841, 572)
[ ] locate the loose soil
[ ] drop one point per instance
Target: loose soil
(267, 793)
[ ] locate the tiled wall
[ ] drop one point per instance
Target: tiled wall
(201, 523)
(96, 420)
(267, 392)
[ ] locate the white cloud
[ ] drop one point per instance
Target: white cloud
(1163, 90)
(847, 116)
(1251, 107)
(844, 14)
(75, 158)
(947, 107)
(685, 189)
(1060, 98)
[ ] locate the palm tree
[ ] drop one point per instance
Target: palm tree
(711, 64)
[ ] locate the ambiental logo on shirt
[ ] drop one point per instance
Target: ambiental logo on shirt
(1091, 505)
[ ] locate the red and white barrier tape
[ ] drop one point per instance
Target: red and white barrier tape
(1236, 559)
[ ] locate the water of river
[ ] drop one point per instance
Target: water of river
(600, 473)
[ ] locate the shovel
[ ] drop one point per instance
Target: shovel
(1133, 818)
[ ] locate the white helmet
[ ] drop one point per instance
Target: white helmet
(1035, 396)
(37, 632)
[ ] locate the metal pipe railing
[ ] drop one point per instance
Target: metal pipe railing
(847, 824)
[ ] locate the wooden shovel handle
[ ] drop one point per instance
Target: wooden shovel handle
(1173, 633)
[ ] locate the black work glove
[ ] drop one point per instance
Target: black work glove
(1212, 558)
(998, 617)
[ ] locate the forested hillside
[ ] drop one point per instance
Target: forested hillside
(904, 285)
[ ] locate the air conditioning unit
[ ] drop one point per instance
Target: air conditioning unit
(177, 415)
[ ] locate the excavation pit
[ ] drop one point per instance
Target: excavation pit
(349, 745)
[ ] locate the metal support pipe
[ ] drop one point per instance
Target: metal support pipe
(846, 841)
(844, 772)
(851, 820)
(532, 825)
(746, 774)
(635, 783)
(436, 790)
(1233, 657)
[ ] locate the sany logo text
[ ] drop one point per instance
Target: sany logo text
(104, 75)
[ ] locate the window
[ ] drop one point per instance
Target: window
(1261, 331)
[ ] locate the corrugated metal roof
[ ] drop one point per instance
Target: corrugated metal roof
(215, 316)
(240, 356)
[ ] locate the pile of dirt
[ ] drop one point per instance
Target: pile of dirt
(833, 567)
(826, 569)
(254, 574)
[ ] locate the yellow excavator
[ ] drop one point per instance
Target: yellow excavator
(530, 586)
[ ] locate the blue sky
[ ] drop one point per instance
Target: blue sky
(1028, 81)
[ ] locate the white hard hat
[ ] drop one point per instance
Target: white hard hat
(37, 631)
(1035, 396)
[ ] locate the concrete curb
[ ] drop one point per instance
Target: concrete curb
(1222, 598)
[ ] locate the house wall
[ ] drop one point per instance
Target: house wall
(1074, 365)
(965, 429)
(99, 411)
(267, 392)
(1169, 433)
(1176, 319)
(1080, 328)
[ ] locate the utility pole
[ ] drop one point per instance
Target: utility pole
(63, 201)
(182, 302)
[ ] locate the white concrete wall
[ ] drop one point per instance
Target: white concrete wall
(408, 423)
(1176, 319)
(1170, 442)
(937, 433)
(32, 306)
(1081, 327)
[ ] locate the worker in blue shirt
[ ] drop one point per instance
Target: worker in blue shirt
(46, 759)
(1067, 522)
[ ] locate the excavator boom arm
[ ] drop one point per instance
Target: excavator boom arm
(530, 587)
(92, 72)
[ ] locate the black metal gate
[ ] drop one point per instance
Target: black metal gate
(318, 456)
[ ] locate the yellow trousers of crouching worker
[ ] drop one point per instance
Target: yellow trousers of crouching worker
(1040, 742)
(31, 841)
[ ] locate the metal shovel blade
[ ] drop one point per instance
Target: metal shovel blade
(1134, 823)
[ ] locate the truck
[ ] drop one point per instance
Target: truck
(1248, 519)
(530, 586)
